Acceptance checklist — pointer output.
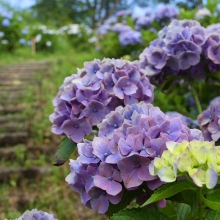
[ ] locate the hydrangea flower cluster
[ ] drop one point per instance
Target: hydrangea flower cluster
(130, 38)
(123, 13)
(209, 121)
(198, 159)
(143, 22)
(179, 50)
(187, 120)
(34, 214)
(118, 159)
(166, 13)
(87, 97)
(6, 22)
(214, 28)
(127, 36)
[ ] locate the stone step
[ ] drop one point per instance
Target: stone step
(16, 82)
(11, 118)
(7, 139)
(7, 110)
(12, 88)
(4, 76)
(21, 174)
(12, 127)
(30, 152)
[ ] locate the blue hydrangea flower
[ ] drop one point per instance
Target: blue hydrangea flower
(6, 22)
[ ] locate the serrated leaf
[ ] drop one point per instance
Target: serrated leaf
(127, 198)
(169, 190)
(182, 211)
(214, 205)
(212, 215)
(139, 214)
(65, 149)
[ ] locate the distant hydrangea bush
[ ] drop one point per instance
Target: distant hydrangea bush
(165, 13)
(184, 48)
(118, 158)
(209, 121)
(87, 97)
(34, 214)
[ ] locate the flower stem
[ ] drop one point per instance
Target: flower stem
(198, 105)
(200, 204)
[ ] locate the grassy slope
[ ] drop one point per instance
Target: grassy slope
(52, 194)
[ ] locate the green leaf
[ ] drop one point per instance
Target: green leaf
(127, 198)
(212, 215)
(169, 190)
(139, 214)
(215, 75)
(182, 211)
(190, 198)
(169, 210)
(214, 205)
(65, 149)
(214, 196)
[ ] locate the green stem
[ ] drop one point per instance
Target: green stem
(198, 105)
(200, 203)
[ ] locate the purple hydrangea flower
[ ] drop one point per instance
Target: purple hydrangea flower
(123, 13)
(143, 22)
(178, 51)
(87, 97)
(130, 38)
(213, 28)
(34, 214)
(188, 121)
(118, 158)
(120, 28)
(209, 121)
(166, 13)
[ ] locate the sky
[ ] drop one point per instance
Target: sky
(21, 3)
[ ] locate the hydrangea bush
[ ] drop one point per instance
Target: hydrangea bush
(11, 26)
(184, 49)
(140, 155)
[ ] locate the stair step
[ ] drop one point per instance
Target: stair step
(12, 127)
(13, 138)
(19, 173)
(13, 118)
(7, 110)
(31, 152)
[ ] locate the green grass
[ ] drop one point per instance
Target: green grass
(51, 193)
